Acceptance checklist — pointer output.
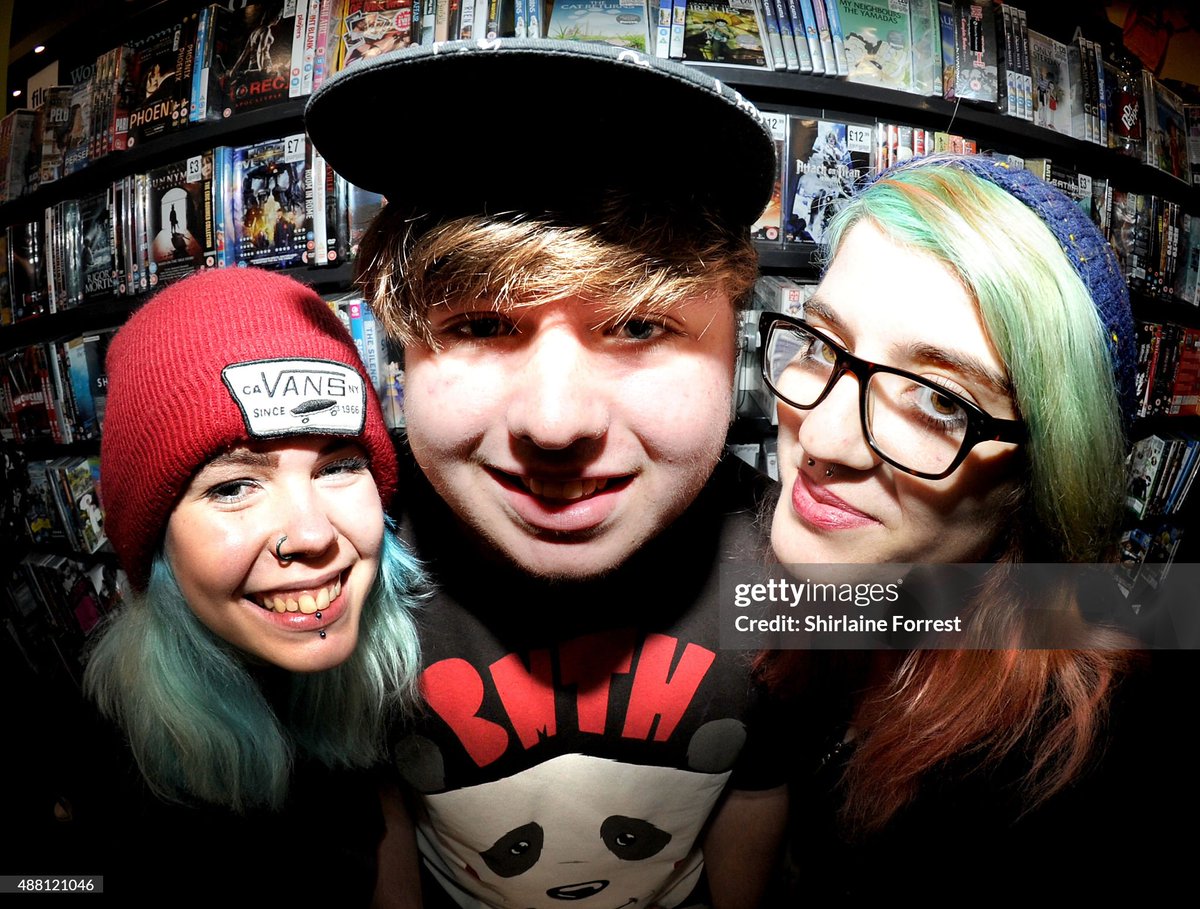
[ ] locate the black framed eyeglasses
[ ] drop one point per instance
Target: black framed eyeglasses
(912, 423)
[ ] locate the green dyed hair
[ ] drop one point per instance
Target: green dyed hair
(197, 720)
(1044, 326)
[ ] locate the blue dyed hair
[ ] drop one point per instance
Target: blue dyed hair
(197, 720)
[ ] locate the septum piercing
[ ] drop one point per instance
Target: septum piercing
(279, 555)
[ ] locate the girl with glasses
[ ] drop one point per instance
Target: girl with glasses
(959, 390)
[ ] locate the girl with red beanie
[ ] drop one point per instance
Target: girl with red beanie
(245, 471)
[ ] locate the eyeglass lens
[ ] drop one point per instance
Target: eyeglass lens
(913, 423)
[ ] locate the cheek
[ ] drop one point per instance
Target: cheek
(447, 406)
(683, 411)
(210, 559)
(971, 507)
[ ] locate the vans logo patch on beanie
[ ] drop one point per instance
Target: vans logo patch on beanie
(292, 396)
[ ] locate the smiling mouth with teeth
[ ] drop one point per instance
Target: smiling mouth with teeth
(305, 601)
(567, 490)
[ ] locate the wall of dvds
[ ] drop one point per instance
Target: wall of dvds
(92, 214)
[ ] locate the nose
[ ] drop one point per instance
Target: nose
(833, 432)
(303, 519)
(558, 396)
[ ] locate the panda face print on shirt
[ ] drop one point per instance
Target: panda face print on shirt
(595, 832)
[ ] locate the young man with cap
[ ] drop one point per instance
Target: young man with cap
(566, 291)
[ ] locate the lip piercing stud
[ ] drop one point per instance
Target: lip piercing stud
(322, 635)
(279, 554)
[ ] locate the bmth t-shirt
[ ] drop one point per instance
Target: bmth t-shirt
(576, 736)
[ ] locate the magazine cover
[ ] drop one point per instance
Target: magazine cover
(181, 219)
(723, 31)
(259, 60)
(372, 27)
(876, 34)
(826, 161)
(619, 23)
(270, 221)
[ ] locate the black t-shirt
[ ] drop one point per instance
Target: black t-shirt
(576, 736)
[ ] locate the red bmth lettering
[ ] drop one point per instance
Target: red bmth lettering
(455, 692)
(527, 695)
(656, 694)
(589, 663)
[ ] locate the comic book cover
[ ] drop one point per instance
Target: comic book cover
(182, 237)
(878, 41)
(160, 100)
(619, 23)
(260, 63)
(826, 161)
(270, 220)
(723, 31)
(372, 27)
(769, 226)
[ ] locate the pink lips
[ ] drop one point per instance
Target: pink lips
(822, 510)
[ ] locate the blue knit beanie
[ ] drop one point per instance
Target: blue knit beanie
(1086, 248)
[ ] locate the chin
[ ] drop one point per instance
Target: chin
(581, 560)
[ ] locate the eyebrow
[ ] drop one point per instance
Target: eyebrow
(245, 457)
(921, 352)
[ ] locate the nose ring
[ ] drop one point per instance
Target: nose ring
(291, 557)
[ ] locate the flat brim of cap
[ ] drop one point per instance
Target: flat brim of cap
(541, 125)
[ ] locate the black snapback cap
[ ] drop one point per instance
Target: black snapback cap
(542, 125)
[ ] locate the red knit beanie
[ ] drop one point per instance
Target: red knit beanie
(209, 363)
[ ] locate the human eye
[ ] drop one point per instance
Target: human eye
(343, 466)
(640, 328)
(478, 326)
(818, 351)
(230, 492)
(940, 409)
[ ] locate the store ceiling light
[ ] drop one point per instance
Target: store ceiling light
(39, 48)
(16, 93)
